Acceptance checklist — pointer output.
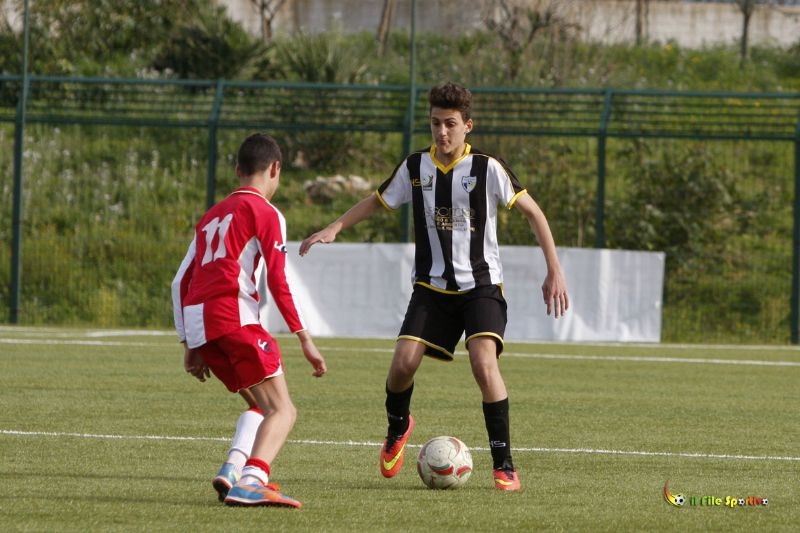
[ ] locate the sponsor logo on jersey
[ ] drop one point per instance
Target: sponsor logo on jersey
(450, 218)
(426, 182)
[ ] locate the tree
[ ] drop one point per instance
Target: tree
(518, 23)
(746, 7)
(209, 45)
(99, 37)
(642, 7)
(517, 26)
(267, 10)
(387, 15)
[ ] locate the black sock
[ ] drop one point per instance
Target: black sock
(496, 416)
(397, 409)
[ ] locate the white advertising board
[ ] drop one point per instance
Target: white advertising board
(362, 290)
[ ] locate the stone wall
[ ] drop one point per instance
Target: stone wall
(689, 24)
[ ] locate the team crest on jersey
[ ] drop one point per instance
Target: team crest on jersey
(469, 182)
(426, 182)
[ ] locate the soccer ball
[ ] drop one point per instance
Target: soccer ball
(679, 499)
(444, 463)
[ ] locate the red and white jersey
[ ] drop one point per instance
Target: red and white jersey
(214, 291)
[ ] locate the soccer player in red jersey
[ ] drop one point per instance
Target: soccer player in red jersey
(454, 191)
(216, 311)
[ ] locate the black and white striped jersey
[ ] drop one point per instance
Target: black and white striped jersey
(455, 216)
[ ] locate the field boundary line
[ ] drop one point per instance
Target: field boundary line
(521, 355)
(623, 358)
(311, 442)
(652, 359)
(76, 342)
(65, 331)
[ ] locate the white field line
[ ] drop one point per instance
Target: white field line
(633, 359)
(350, 443)
(646, 359)
(66, 332)
(44, 331)
(578, 357)
(564, 357)
(61, 342)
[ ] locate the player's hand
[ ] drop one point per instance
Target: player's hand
(324, 236)
(313, 356)
(554, 291)
(194, 364)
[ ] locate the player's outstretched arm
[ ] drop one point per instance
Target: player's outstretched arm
(311, 354)
(361, 211)
(554, 288)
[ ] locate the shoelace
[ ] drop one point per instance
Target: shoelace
(390, 442)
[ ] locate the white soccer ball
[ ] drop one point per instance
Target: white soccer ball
(444, 463)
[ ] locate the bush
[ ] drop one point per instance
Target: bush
(210, 46)
(680, 202)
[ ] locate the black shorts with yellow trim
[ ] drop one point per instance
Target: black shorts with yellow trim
(438, 319)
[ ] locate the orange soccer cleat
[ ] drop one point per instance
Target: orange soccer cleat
(507, 479)
(393, 451)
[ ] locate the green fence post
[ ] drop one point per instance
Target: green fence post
(16, 214)
(600, 209)
(213, 121)
(795, 296)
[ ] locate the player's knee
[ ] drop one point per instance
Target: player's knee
(407, 358)
(481, 378)
(403, 371)
(485, 373)
(291, 413)
(286, 412)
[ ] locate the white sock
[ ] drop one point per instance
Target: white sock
(243, 438)
(237, 458)
(252, 475)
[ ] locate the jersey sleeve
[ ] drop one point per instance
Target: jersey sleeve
(502, 182)
(396, 190)
(180, 286)
(274, 251)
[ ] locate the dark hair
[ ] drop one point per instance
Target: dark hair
(452, 96)
(257, 153)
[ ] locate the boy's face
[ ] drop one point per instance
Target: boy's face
(449, 131)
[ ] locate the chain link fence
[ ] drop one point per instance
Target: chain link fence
(111, 175)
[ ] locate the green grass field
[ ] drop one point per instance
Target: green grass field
(104, 431)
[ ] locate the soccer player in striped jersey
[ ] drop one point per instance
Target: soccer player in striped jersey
(454, 191)
(216, 311)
